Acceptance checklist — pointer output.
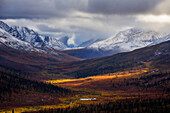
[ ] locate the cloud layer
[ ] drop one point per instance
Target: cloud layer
(119, 7)
(58, 8)
(86, 19)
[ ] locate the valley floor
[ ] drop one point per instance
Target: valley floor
(129, 85)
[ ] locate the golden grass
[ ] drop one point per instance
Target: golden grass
(71, 83)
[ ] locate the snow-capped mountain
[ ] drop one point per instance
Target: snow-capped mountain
(31, 37)
(89, 42)
(9, 40)
(37, 40)
(124, 41)
(127, 40)
(10, 30)
(164, 39)
(4, 26)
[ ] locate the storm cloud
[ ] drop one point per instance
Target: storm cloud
(86, 19)
(119, 7)
(60, 8)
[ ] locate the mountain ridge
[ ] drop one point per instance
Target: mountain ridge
(27, 35)
(124, 41)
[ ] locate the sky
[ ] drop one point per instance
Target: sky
(86, 19)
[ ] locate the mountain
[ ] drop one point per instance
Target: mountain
(124, 41)
(25, 34)
(89, 42)
(64, 40)
(11, 41)
(23, 49)
(127, 40)
(30, 60)
(157, 56)
(164, 39)
(37, 40)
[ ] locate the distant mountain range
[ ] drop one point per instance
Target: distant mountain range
(23, 38)
(22, 48)
(124, 41)
(27, 39)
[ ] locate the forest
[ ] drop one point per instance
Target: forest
(14, 85)
(159, 105)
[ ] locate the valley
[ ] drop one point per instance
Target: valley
(120, 86)
(129, 72)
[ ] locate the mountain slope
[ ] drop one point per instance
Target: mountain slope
(30, 60)
(127, 40)
(164, 39)
(37, 40)
(157, 55)
(11, 41)
(124, 41)
(25, 34)
(89, 42)
(64, 40)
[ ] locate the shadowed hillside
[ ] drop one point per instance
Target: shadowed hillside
(156, 56)
(30, 61)
(16, 91)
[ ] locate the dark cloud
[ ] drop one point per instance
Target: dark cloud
(30, 9)
(86, 19)
(122, 6)
(62, 8)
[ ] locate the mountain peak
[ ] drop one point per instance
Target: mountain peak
(131, 31)
(30, 37)
(4, 26)
(127, 40)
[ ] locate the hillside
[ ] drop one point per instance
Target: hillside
(84, 53)
(30, 60)
(16, 91)
(141, 90)
(157, 56)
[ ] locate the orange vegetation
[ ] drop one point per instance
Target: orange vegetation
(98, 81)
